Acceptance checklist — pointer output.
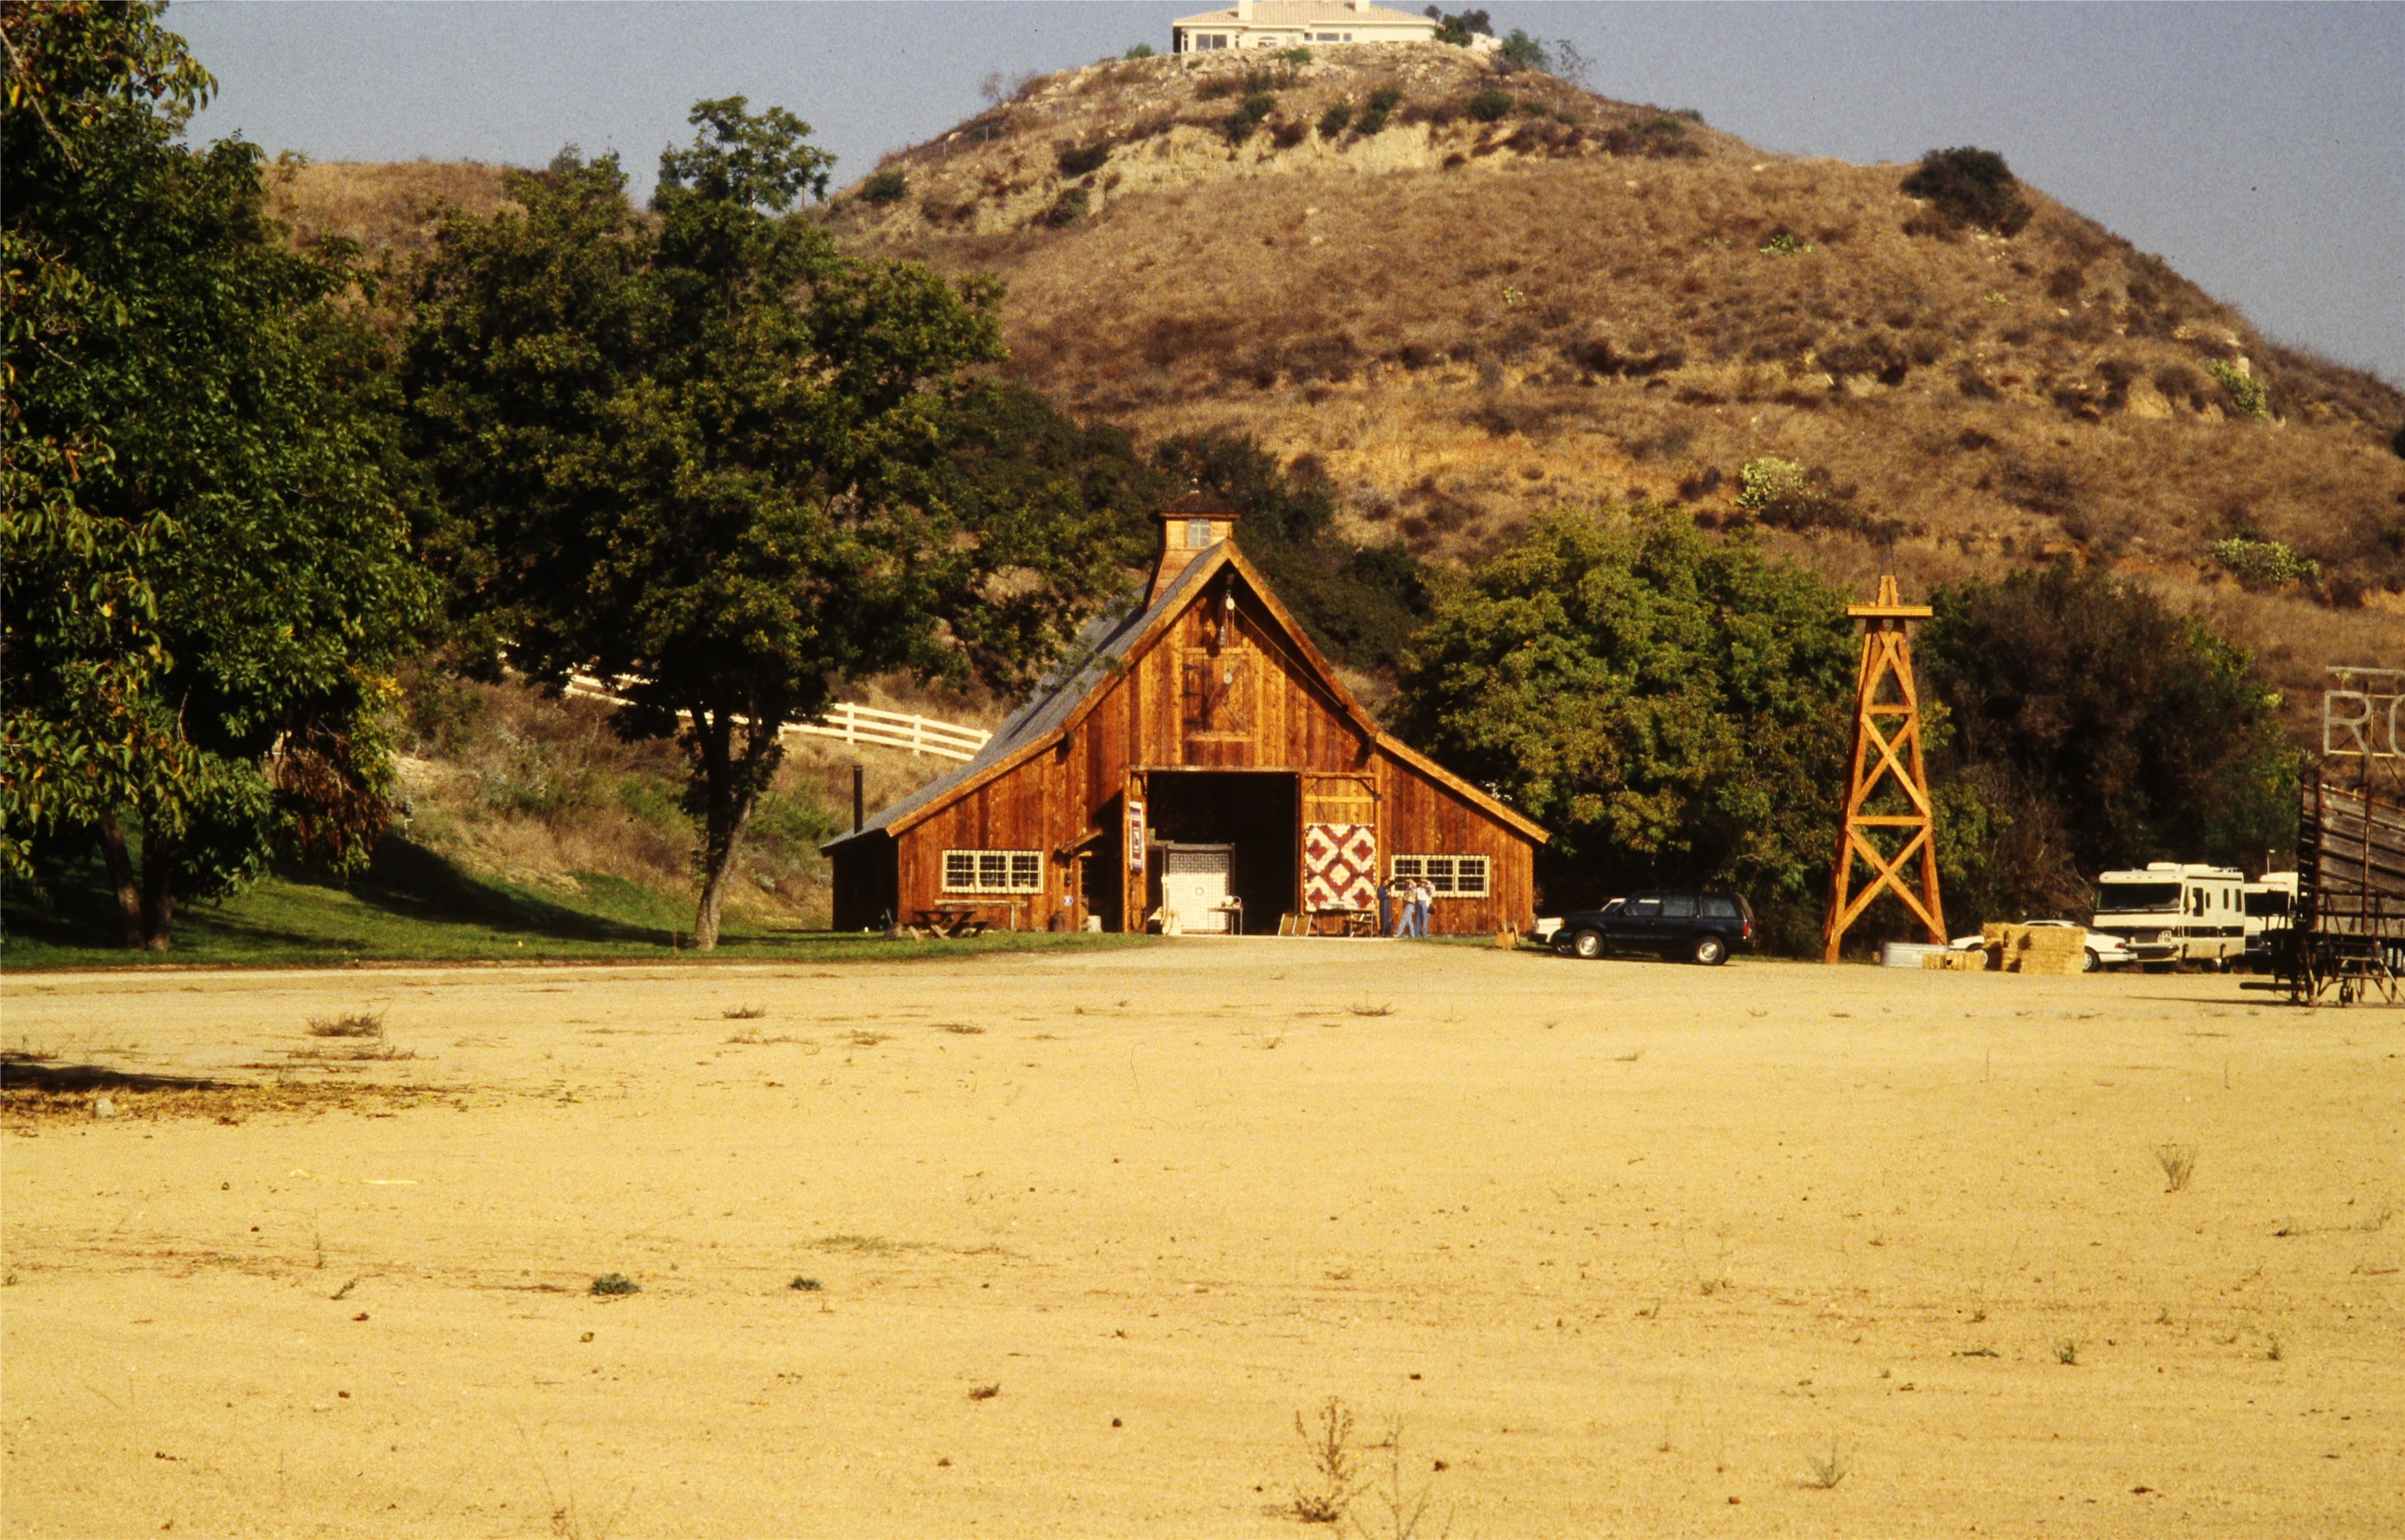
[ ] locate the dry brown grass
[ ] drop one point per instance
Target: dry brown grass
(1468, 322)
(384, 208)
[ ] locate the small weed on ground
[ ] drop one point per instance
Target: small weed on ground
(743, 1013)
(806, 1285)
(1824, 1471)
(615, 1283)
(1335, 1467)
(985, 1393)
(358, 1024)
(2066, 1352)
(959, 1028)
(1371, 1008)
(2178, 1162)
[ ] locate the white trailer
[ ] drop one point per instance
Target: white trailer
(2168, 912)
(2271, 908)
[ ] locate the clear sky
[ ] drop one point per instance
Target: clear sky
(2260, 147)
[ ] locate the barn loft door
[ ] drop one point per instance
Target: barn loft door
(1339, 842)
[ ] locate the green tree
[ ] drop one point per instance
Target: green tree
(1460, 27)
(706, 452)
(1674, 707)
(209, 576)
(2097, 730)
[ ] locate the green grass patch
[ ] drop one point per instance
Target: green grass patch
(412, 905)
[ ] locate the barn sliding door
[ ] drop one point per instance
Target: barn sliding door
(1340, 844)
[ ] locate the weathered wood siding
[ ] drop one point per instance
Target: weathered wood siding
(1221, 687)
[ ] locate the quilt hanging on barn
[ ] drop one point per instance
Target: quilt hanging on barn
(1340, 866)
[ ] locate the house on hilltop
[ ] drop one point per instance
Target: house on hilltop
(1297, 23)
(1194, 757)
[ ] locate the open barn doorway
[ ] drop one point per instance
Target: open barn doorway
(1249, 813)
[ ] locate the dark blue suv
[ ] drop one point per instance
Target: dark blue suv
(1701, 927)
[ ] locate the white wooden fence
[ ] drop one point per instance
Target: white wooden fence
(849, 723)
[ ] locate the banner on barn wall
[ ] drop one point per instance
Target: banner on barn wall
(1135, 835)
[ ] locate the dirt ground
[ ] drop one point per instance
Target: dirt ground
(1622, 1248)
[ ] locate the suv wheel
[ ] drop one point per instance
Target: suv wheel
(1712, 951)
(1587, 944)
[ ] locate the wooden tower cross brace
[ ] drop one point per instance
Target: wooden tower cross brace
(1887, 750)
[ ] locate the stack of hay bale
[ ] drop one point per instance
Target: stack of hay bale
(2054, 949)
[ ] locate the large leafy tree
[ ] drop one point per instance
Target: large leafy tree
(706, 452)
(2092, 729)
(207, 575)
(1674, 707)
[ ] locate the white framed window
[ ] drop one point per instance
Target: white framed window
(993, 871)
(1451, 877)
(1198, 534)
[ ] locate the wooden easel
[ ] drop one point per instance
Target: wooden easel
(1887, 654)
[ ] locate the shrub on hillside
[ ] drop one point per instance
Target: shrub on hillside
(1140, 50)
(1068, 209)
(885, 186)
(1077, 159)
(1382, 105)
(2265, 563)
(1249, 115)
(1969, 187)
(1672, 706)
(1661, 138)
(1335, 120)
(2246, 393)
(1525, 51)
(1490, 104)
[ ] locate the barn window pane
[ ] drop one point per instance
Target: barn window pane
(960, 871)
(1026, 872)
(1449, 876)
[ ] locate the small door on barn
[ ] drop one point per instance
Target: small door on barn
(1215, 692)
(1194, 887)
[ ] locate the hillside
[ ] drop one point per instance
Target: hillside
(1585, 301)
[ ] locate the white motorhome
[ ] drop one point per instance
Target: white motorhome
(2271, 908)
(2168, 912)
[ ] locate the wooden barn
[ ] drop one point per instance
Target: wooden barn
(1196, 765)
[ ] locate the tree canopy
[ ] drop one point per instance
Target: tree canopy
(209, 576)
(2093, 729)
(706, 452)
(1672, 706)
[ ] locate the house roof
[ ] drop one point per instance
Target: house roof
(1299, 13)
(1101, 651)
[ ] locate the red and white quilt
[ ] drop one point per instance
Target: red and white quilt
(1340, 866)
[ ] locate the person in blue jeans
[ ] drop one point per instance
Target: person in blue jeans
(1386, 907)
(1422, 897)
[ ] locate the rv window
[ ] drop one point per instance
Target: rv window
(2265, 905)
(2128, 898)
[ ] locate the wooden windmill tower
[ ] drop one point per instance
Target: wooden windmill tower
(1887, 757)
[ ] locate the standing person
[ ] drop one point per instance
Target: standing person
(1422, 896)
(1386, 907)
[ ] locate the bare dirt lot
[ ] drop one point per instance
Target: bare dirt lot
(1624, 1248)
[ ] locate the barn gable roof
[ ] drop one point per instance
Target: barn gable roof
(1104, 649)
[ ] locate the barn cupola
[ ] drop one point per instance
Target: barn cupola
(1188, 528)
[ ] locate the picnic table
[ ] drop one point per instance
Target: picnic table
(950, 922)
